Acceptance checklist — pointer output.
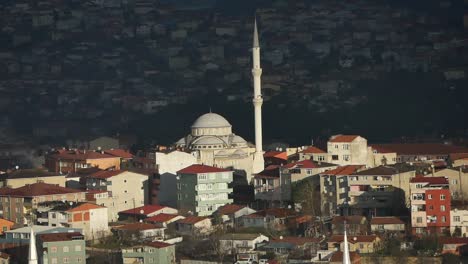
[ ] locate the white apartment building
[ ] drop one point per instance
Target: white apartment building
(126, 190)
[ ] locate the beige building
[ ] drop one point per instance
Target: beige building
(273, 186)
(20, 178)
(361, 244)
(458, 181)
(387, 224)
(459, 219)
(312, 153)
(307, 168)
(353, 150)
(126, 190)
(382, 191)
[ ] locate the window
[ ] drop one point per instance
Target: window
(65, 260)
(336, 146)
(65, 249)
(456, 218)
(334, 157)
(53, 249)
(202, 177)
(179, 196)
(321, 158)
(419, 220)
(429, 196)
(454, 181)
(346, 146)
(442, 208)
(431, 207)
(442, 197)
(361, 246)
(79, 259)
(419, 186)
(443, 219)
(53, 261)
(346, 157)
(78, 248)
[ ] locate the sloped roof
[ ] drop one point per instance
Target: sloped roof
(158, 244)
(383, 170)
(119, 153)
(230, 209)
(276, 154)
(430, 180)
(105, 174)
(37, 189)
(79, 155)
(313, 150)
(161, 218)
(309, 164)
(343, 138)
(390, 220)
(29, 173)
(85, 207)
(272, 171)
(197, 168)
(351, 219)
(136, 226)
(343, 170)
(192, 220)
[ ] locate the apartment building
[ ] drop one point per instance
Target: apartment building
(65, 161)
(273, 186)
(430, 205)
(61, 248)
(203, 189)
(152, 252)
(125, 190)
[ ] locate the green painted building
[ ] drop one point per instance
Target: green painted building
(152, 252)
(58, 248)
(203, 189)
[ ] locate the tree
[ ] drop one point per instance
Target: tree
(309, 196)
(215, 244)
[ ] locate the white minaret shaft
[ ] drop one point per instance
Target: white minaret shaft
(258, 165)
(32, 257)
(346, 257)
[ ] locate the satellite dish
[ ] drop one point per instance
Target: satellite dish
(94, 184)
(142, 211)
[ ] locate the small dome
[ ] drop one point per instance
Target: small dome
(210, 120)
(180, 142)
(209, 141)
(238, 140)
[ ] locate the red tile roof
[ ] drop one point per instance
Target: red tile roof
(272, 171)
(313, 150)
(55, 237)
(391, 220)
(161, 218)
(158, 244)
(37, 189)
(230, 209)
(421, 148)
(144, 210)
(276, 154)
(430, 180)
(342, 138)
(192, 220)
(105, 174)
(85, 207)
(343, 170)
(197, 168)
(352, 239)
(119, 153)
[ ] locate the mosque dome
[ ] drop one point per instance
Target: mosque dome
(238, 140)
(211, 120)
(211, 124)
(208, 142)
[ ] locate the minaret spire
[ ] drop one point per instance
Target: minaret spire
(346, 257)
(258, 162)
(32, 257)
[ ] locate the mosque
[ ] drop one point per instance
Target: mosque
(212, 141)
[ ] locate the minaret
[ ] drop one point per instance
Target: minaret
(346, 257)
(32, 258)
(258, 164)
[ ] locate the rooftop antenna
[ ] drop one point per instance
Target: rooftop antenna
(210, 109)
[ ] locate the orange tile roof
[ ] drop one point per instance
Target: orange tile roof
(4, 222)
(85, 207)
(276, 154)
(55, 237)
(313, 150)
(119, 153)
(79, 155)
(158, 244)
(422, 148)
(343, 138)
(343, 170)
